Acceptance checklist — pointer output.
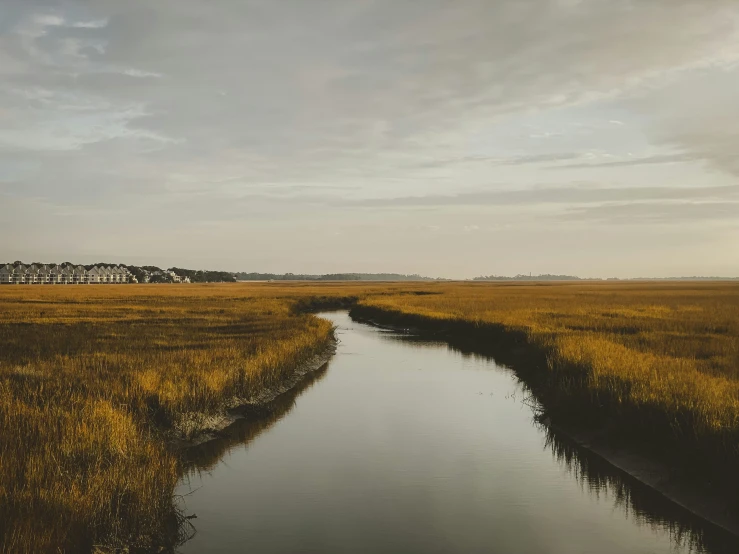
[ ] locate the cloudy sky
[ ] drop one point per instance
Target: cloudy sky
(450, 138)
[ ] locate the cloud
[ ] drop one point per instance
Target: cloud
(206, 108)
(635, 161)
(698, 115)
(539, 158)
(554, 195)
(141, 74)
(656, 213)
(93, 24)
(327, 78)
(525, 159)
(49, 20)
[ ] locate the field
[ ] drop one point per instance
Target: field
(657, 360)
(94, 381)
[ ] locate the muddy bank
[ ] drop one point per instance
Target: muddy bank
(702, 490)
(703, 497)
(195, 428)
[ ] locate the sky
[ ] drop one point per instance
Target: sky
(449, 138)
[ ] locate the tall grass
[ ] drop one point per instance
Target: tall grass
(659, 360)
(94, 380)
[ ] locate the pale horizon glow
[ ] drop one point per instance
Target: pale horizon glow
(449, 139)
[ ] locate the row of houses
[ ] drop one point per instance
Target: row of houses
(44, 274)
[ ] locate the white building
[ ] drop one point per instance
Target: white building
(93, 275)
(44, 274)
(19, 275)
(54, 274)
(31, 275)
(6, 274)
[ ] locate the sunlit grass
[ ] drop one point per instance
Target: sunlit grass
(662, 357)
(93, 382)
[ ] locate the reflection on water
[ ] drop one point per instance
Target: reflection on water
(204, 457)
(636, 500)
(408, 445)
(633, 498)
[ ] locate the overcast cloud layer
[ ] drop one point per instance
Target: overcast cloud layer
(451, 138)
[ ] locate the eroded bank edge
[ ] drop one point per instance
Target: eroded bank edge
(212, 426)
(528, 362)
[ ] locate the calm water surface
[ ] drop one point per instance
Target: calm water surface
(406, 446)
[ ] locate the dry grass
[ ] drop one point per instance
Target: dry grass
(94, 379)
(663, 358)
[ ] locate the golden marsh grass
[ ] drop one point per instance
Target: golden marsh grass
(662, 356)
(95, 380)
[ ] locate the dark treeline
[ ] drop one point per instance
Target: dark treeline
(520, 277)
(205, 276)
(243, 276)
(695, 278)
(550, 277)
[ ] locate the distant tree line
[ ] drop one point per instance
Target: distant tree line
(521, 277)
(243, 276)
(550, 277)
(205, 276)
(153, 274)
(195, 275)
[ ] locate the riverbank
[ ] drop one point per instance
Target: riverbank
(665, 464)
(704, 496)
(407, 445)
(199, 428)
(101, 389)
(96, 385)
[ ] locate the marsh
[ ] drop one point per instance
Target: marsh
(406, 445)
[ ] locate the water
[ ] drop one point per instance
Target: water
(401, 445)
